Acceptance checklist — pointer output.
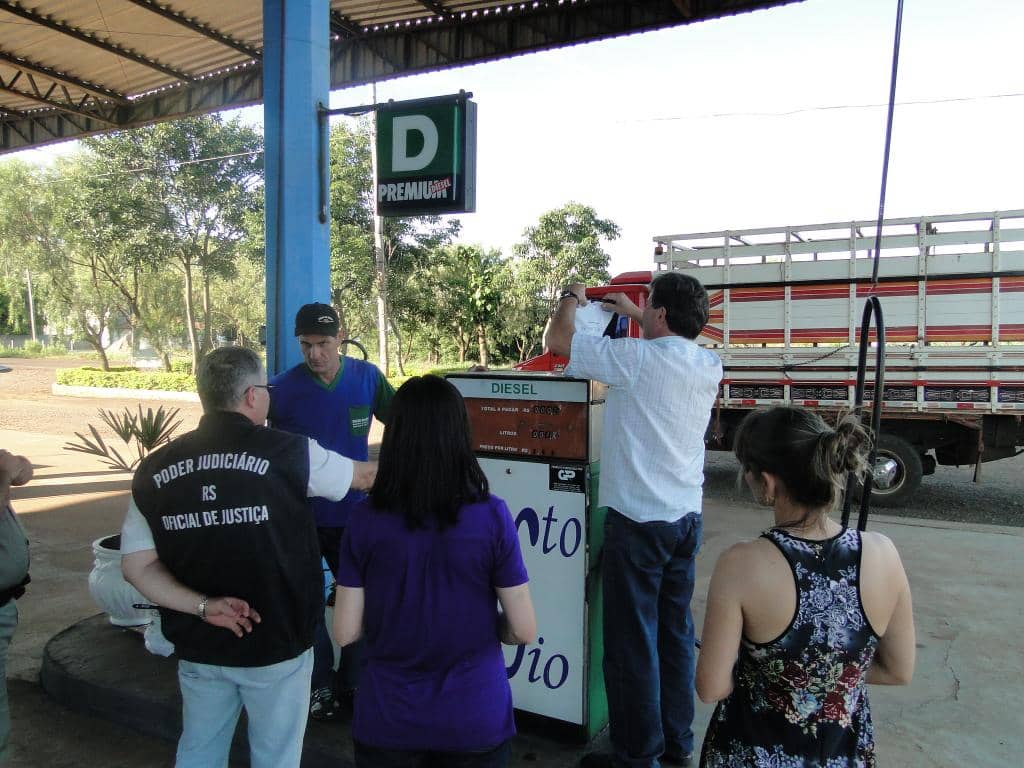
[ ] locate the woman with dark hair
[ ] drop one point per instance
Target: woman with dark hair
(813, 610)
(425, 561)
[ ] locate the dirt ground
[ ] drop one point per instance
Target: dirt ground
(26, 402)
(44, 733)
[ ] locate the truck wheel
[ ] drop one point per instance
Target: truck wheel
(909, 470)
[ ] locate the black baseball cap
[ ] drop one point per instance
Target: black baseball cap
(316, 318)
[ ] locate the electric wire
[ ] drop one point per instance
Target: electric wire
(827, 108)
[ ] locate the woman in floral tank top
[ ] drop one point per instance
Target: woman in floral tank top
(813, 611)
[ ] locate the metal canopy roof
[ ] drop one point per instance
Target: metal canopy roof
(71, 68)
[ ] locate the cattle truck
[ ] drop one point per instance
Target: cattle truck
(786, 309)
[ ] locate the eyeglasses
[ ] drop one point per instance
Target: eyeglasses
(267, 387)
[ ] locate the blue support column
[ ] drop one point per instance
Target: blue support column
(296, 60)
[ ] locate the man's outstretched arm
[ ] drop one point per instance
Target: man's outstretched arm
(562, 325)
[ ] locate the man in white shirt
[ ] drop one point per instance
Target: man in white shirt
(220, 535)
(660, 393)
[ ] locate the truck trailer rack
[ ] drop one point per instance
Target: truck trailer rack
(786, 306)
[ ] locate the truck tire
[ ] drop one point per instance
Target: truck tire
(909, 470)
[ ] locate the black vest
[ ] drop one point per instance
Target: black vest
(229, 514)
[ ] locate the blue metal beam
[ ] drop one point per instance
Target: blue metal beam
(296, 57)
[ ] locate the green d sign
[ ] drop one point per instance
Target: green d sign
(426, 157)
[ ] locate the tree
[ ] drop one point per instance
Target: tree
(408, 242)
(35, 232)
(196, 183)
(566, 247)
(458, 293)
(240, 303)
(22, 229)
(105, 267)
(352, 268)
(524, 311)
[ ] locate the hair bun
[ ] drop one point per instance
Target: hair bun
(851, 444)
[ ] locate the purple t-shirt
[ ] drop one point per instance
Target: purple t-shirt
(435, 676)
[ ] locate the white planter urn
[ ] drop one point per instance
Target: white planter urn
(109, 589)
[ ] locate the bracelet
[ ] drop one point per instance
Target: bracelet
(202, 607)
(566, 294)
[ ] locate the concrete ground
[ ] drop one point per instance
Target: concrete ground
(963, 707)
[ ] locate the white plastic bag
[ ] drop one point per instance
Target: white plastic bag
(156, 643)
(591, 320)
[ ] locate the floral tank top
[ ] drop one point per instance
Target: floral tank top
(800, 701)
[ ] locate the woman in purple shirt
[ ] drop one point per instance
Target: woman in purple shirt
(425, 561)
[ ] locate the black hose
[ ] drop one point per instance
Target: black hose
(888, 136)
(873, 308)
(354, 343)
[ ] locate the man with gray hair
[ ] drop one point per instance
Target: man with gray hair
(220, 535)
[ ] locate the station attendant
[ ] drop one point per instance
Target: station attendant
(333, 399)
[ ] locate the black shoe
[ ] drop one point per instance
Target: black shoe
(322, 705)
(683, 760)
(598, 760)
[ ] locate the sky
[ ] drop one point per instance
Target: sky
(770, 118)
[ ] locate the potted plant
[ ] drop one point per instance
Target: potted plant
(141, 432)
(144, 432)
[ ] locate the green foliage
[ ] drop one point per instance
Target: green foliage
(132, 234)
(239, 301)
(408, 243)
(13, 300)
(524, 311)
(172, 223)
(143, 432)
(35, 350)
(127, 378)
(137, 234)
(565, 247)
(25, 204)
(456, 295)
(181, 366)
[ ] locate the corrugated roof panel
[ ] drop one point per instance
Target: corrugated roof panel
(136, 30)
(366, 14)
(169, 68)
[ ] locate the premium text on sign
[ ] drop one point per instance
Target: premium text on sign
(426, 157)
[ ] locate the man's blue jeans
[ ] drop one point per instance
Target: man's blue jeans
(648, 576)
(275, 697)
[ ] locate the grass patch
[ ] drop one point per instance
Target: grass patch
(33, 349)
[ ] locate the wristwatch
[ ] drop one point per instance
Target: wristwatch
(566, 294)
(201, 609)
